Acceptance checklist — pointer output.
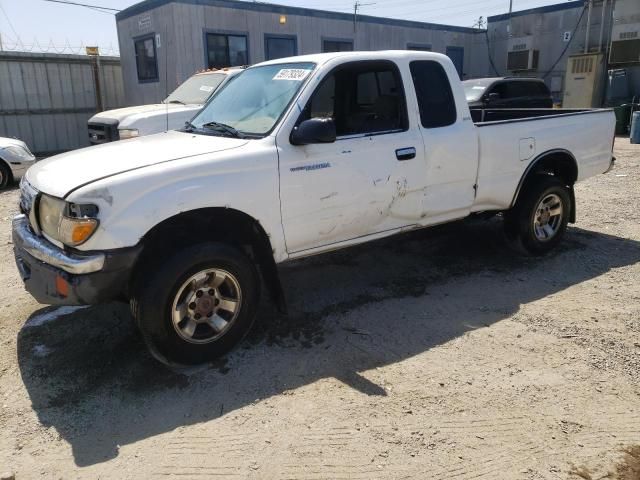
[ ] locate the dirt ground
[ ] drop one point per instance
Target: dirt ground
(435, 355)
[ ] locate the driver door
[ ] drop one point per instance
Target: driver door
(370, 180)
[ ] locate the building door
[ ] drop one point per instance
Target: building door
(456, 54)
(280, 46)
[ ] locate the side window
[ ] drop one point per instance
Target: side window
(362, 98)
(322, 103)
(518, 89)
(367, 89)
(540, 89)
(435, 99)
(500, 89)
(146, 61)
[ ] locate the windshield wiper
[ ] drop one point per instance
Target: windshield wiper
(189, 127)
(221, 127)
(177, 101)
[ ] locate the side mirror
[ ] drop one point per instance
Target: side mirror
(314, 130)
(492, 97)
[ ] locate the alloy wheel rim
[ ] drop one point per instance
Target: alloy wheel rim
(548, 217)
(206, 306)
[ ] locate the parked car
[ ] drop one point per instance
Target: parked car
(507, 92)
(15, 159)
(295, 157)
(177, 108)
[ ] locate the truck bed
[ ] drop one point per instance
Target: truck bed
(485, 115)
(513, 138)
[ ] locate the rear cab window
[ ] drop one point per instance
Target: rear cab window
(435, 98)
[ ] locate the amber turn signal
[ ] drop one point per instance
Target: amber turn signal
(75, 231)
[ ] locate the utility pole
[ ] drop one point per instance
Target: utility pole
(510, 11)
(588, 29)
(356, 6)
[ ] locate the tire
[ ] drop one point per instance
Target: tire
(539, 219)
(198, 304)
(5, 175)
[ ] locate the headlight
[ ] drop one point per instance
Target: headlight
(20, 153)
(68, 223)
(128, 133)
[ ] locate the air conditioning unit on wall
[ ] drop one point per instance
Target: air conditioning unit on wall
(521, 56)
(625, 44)
(625, 34)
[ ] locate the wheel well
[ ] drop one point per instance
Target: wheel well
(558, 163)
(215, 224)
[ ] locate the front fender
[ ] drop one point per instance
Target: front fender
(132, 203)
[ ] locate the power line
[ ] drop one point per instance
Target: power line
(93, 7)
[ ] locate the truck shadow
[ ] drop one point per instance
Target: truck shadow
(89, 376)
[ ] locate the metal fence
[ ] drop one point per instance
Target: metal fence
(46, 99)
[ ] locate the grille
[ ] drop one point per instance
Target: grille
(102, 133)
(27, 196)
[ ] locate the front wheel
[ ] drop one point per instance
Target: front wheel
(539, 219)
(5, 175)
(198, 305)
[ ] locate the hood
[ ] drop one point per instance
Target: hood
(11, 142)
(60, 174)
(141, 111)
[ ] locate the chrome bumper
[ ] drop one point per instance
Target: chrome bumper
(43, 250)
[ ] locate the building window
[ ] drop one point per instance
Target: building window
(435, 99)
(146, 59)
(226, 50)
(280, 46)
(419, 47)
(337, 46)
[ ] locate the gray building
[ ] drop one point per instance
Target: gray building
(547, 41)
(163, 42)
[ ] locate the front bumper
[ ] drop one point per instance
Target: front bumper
(53, 276)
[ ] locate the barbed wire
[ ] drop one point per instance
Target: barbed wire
(18, 45)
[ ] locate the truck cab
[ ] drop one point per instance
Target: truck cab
(171, 113)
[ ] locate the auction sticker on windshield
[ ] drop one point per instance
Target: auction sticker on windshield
(206, 88)
(296, 74)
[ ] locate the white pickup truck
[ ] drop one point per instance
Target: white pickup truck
(180, 106)
(293, 158)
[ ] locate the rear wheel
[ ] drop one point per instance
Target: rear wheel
(198, 305)
(539, 219)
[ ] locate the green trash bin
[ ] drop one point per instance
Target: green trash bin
(623, 114)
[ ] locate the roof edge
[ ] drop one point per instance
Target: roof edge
(148, 5)
(531, 11)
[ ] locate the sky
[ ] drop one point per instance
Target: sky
(38, 25)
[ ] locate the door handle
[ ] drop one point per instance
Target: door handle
(406, 153)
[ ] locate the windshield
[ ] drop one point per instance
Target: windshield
(254, 102)
(197, 89)
(473, 89)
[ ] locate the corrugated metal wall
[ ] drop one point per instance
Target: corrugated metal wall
(46, 99)
(181, 28)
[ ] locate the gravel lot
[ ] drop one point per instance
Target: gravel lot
(439, 354)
